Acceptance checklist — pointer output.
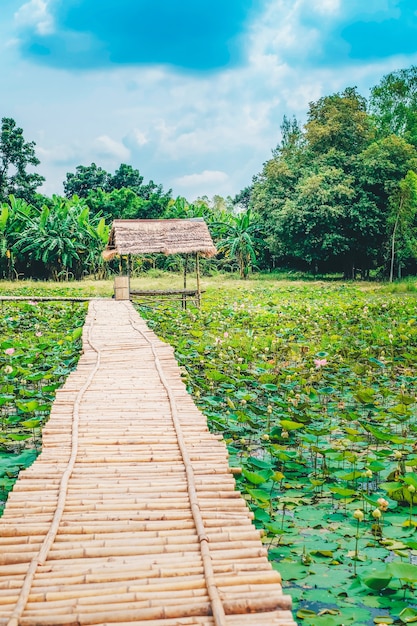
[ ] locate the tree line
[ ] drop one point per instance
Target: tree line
(62, 237)
(338, 194)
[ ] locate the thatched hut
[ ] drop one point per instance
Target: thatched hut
(170, 236)
(176, 236)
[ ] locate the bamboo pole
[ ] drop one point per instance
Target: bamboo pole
(216, 603)
(49, 539)
(197, 269)
(184, 297)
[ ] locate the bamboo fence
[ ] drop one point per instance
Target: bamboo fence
(130, 514)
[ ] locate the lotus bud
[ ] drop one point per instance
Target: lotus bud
(358, 514)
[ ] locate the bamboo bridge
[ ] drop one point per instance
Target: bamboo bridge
(130, 514)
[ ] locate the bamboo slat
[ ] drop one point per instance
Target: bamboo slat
(130, 514)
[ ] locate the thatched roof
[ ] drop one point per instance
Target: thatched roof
(177, 236)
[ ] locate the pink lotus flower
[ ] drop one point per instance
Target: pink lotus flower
(9, 351)
(382, 504)
(38, 334)
(320, 363)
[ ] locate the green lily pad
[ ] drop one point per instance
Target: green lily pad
(290, 571)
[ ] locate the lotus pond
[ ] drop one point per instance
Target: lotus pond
(39, 345)
(314, 390)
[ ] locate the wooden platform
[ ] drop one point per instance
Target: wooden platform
(129, 515)
(158, 295)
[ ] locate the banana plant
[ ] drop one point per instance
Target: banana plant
(239, 241)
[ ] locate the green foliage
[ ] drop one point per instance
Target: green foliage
(238, 240)
(338, 122)
(16, 155)
(62, 238)
(329, 199)
(180, 208)
(313, 387)
(310, 225)
(86, 178)
(121, 195)
(125, 177)
(117, 204)
(393, 104)
(325, 197)
(403, 221)
(15, 216)
(39, 346)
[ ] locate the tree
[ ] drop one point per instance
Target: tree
(292, 137)
(402, 219)
(144, 201)
(393, 104)
(378, 170)
(339, 122)
(239, 241)
(243, 198)
(126, 177)
(324, 196)
(310, 226)
(85, 179)
(277, 184)
(278, 179)
(16, 155)
(155, 201)
(117, 204)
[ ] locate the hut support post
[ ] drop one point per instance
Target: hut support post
(197, 269)
(184, 297)
(122, 282)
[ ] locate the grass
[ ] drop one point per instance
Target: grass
(157, 279)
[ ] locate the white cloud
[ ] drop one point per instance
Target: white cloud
(35, 13)
(62, 154)
(11, 43)
(205, 183)
(208, 177)
(326, 6)
(139, 137)
(105, 146)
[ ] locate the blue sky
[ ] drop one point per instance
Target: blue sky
(192, 93)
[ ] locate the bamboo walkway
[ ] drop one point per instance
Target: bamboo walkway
(129, 515)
